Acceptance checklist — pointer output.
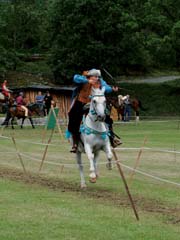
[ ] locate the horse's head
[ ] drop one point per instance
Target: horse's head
(98, 104)
(34, 109)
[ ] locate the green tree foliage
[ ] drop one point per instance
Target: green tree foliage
(119, 35)
(94, 33)
(23, 30)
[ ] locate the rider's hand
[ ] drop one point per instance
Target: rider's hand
(115, 89)
(94, 80)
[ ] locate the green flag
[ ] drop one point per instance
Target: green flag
(51, 121)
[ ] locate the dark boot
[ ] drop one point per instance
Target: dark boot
(114, 140)
(75, 143)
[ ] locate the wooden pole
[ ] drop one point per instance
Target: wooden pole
(174, 152)
(138, 159)
(45, 129)
(45, 150)
(59, 128)
(125, 183)
(19, 155)
(2, 130)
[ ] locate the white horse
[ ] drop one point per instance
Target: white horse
(94, 135)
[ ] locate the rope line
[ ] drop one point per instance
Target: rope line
(149, 175)
(132, 148)
(132, 169)
(71, 165)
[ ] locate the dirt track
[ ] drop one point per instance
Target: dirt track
(101, 195)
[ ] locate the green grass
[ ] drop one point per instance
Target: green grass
(50, 205)
(32, 212)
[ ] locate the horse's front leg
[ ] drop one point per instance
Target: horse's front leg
(90, 156)
(12, 120)
(80, 165)
(22, 122)
(109, 155)
(31, 121)
(96, 157)
(137, 115)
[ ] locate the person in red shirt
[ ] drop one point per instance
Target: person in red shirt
(5, 90)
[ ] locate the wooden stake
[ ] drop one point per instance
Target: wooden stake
(125, 183)
(2, 130)
(174, 152)
(59, 128)
(45, 129)
(19, 155)
(62, 168)
(137, 160)
(45, 150)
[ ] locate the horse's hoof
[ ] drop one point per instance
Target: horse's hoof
(109, 166)
(92, 180)
(83, 186)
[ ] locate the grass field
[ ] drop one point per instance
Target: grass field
(50, 204)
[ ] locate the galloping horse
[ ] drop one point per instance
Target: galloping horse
(16, 111)
(118, 104)
(94, 136)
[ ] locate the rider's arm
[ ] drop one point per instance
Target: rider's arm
(79, 79)
(108, 88)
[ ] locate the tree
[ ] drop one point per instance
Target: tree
(85, 34)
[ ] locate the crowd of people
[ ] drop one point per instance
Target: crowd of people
(43, 101)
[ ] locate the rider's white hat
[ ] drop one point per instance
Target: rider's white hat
(94, 72)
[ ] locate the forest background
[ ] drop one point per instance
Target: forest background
(58, 38)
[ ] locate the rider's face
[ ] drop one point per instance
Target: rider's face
(94, 78)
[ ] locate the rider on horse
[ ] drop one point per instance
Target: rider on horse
(89, 79)
(21, 103)
(5, 91)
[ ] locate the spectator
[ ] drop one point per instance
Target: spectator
(6, 91)
(48, 101)
(40, 101)
(127, 108)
